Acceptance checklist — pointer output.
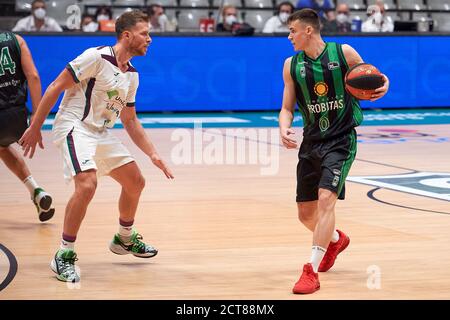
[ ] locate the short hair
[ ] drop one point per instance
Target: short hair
(308, 16)
(36, 1)
(286, 3)
(128, 20)
(105, 10)
(226, 7)
(151, 11)
(373, 8)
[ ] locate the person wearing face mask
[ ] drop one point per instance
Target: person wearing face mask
(232, 24)
(38, 20)
(278, 23)
(158, 20)
(377, 21)
(88, 24)
(229, 15)
(103, 13)
(340, 21)
(104, 19)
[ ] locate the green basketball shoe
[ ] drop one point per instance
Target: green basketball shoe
(136, 247)
(63, 264)
(43, 202)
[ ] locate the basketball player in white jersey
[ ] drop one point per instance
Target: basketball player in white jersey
(100, 86)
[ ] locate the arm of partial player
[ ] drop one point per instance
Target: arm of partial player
(32, 135)
(137, 134)
(352, 57)
(287, 109)
(31, 73)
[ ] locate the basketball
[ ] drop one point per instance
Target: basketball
(362, 79)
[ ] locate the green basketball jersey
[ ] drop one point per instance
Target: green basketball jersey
(327, 109)
(13, 83)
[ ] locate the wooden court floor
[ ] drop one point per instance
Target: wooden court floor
(228, 232)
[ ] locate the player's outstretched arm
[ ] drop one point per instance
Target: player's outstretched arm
(137, 133)
(287, 109)
(32, 135)
(352, 57)
(31, 73)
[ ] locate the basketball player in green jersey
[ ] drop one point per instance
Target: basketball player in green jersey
(314, 79)
(17, 74)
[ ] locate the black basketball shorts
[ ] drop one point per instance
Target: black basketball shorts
(13, 123)
(325, 165)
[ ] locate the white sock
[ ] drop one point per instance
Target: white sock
(125, 233)
(316, 257)
(335, 237)
(31, 185)
(67, 245)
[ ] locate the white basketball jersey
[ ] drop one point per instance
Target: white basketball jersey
(102, 90)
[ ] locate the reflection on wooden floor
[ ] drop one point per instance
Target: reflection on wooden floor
(228, 232)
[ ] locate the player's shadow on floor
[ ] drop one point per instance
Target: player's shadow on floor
(144, 263)
(22, 225)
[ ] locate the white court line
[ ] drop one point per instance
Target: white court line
(181, 120)
(392, 186)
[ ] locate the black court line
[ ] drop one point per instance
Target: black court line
(411, 171)
(12, 267)
(389, 165)
(371, 195)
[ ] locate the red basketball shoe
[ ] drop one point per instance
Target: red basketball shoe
(308, 282)
(333, 250)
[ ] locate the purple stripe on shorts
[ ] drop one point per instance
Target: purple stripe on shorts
(88, 95)
(73, 154)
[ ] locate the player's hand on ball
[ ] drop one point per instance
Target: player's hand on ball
(157, 161)
(381, 91)
(286, 138)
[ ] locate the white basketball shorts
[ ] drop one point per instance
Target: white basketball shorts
(84, 149)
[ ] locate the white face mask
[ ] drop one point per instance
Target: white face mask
(342, 18)
(378, 17)
(283, 16)
(101, 17)
(90, 27)
(230, 20)
(39, 13)
(162, 19)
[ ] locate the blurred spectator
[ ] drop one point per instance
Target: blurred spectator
(88, 24)
(377, 21)
(278, 23)
(158, 19)
(103, 13)
(229, 17)
(387, 23)
(104, 19)
(232, 24)
(37, 21)
(339, 22)
(320, 6)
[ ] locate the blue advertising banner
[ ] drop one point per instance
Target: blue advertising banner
(188, 73)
